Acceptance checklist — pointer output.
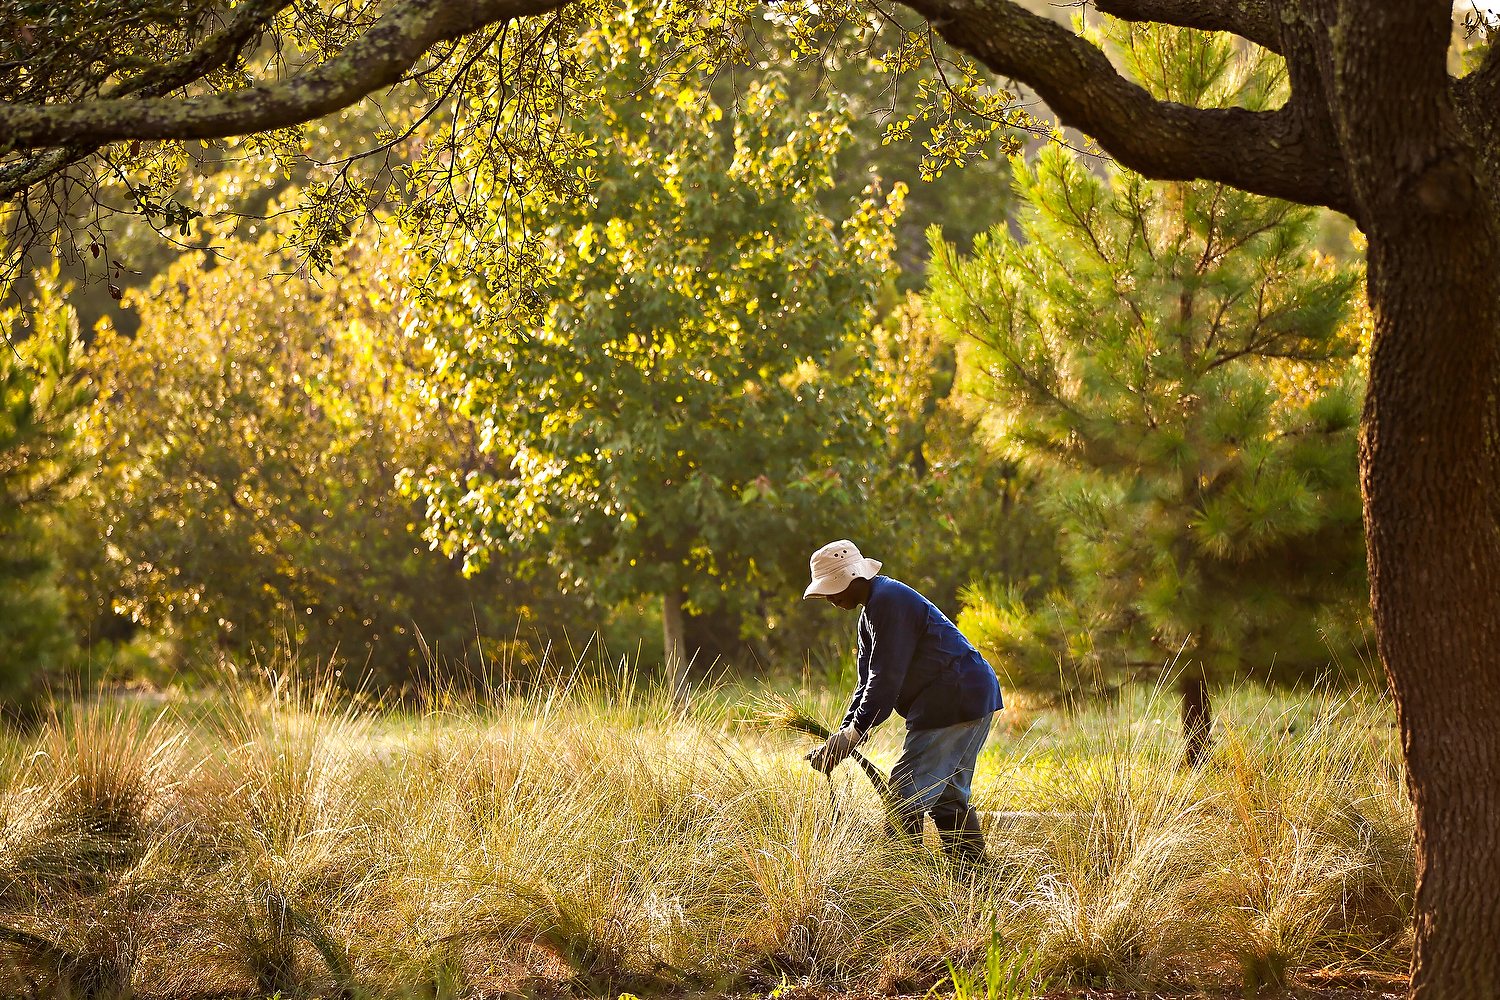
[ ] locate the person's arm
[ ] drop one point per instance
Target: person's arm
(862, 669)
(894, 630)
(842, 741)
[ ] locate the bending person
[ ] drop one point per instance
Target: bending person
(915, 662)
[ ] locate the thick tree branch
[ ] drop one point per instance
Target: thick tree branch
(18, 175)
(219, 48)
(376, 59)
(215, 50)
(1271, 153)
(1476, 103)
(1257, 20)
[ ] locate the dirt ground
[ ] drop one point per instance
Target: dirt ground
(1328, 984)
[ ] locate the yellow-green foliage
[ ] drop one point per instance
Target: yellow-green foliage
(277, 838)
(43, 393)
(248, 437)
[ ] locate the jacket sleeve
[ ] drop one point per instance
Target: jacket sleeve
(895, 628)
(862, 665)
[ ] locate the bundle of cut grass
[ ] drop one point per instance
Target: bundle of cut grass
(777, 713)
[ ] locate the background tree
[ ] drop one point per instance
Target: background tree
(687, 411)
(1131, 350)
(249, 439)
(43, 394)
(952, 513)
(960, 511)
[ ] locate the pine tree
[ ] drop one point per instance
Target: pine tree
(1167, 357)
(1174, 359)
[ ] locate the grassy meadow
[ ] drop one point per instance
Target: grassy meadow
(588, 838)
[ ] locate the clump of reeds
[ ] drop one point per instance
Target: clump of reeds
(777, 713)
(1319, 844)
(1122, 863)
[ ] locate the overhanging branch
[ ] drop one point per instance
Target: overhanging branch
(18, 175)
(376, 59)
(1269, 152)
(215, 50)
(1257, 20)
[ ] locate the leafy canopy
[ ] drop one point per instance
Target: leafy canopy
(493, 108)
(679, 404)
(249, 437)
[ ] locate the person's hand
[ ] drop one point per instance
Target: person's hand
(834, 751)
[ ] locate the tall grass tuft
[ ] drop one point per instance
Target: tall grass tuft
(88, 802)
(1128, 855)
(1291, 849)
(82, 815)
(293, 793)
(1321, 859)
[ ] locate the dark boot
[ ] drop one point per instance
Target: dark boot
(963, 840)
(973, 836)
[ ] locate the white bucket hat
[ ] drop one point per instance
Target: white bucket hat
(835, 566)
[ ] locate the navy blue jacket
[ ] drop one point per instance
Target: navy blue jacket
(914, 661)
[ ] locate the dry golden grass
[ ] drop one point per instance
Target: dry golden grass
(594, 839)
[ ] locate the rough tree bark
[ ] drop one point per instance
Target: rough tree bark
(1429, 483)
(1197, 719)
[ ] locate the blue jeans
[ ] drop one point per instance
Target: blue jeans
(935, 773)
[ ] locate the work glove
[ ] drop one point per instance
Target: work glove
(834, 751)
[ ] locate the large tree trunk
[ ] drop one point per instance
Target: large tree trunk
(1197, 719)
(1435, 579)
(1434, 554)
(674, 644)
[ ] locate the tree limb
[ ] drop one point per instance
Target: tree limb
(376, 59)
(18, 175)
(1476, 102)
(219, 48)
(1257, 20)
(1269, 152)
(216, 50)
